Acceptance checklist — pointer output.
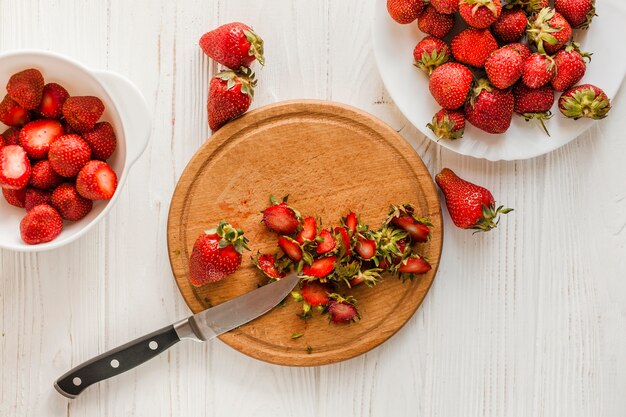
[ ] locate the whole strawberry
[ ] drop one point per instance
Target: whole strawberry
(530, 7)
(102, 141)
(71, 205)
(12, 114)
(405, 11)
(43, 176)
(504, 67)
(82, 112)
(26, 88)
(68, 154)
(432, 22)
(216, 254)
(233, 45)
(35, 196)
(15, 198)
(480, 14)
(473, 46)
(445, 6)
(40, 225)
(470, 206)
(549, 31)
(534, 103)
(521, 49)
(448, 124)
(585, 100)
(430, 53)
(450, 84)
(510, 26)
(570, 67)
(230, 96)
(490, 109)
(539, 70)
(579, 13)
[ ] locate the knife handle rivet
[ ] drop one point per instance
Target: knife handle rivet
(115, 363)
(77, 381)
(153, 345)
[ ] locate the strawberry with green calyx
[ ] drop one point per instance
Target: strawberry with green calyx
(549, 31)
(480, 13)
(430, 53)
(489, 108)
(585, 100)
(570, 66)
(346, 270)
(504, 67)
(280, 217)
(325, 242)
(404, 217)
(539, 70)
(233, 45)
(267, 264)
(342, 310)
(291, 248)
(320, 268)
(370, 277)
(448, 124)
(351, 222)
(470, 206)
(308, 230)
(365, 246)
(534, 103)
(345, 240)
(216, 254)
(579, 13)
(391, 244)
(230, 96)
(411, 266)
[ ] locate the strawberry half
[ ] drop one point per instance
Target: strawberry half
(291, 248)
(281, 218)
(15, 198)
(12, 114)
(35, 197)
(315, 293)
(96, 181)
(52, 100)
(37, 136)
(43, 176)
(414, 265)
(82, 112)
(267, 264)
(101, 140)
(14, 167)
(71, 205)
(325, 242)
(40, 225)
(342, 310)
(68, 154)
(309, 230)
(26, 88)
(320, 267)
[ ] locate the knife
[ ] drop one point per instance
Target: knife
(200, 327)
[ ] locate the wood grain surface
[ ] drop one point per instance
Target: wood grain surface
(527, 321)
(330, 159)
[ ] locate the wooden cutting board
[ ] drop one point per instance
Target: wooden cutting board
(329, 158)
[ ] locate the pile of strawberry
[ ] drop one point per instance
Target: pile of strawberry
(53, 155)
(512, 58)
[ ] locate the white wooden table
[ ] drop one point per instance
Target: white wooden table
(529, 320)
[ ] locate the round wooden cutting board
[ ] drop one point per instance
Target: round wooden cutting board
(329, 158)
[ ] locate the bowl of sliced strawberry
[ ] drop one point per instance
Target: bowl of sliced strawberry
(70, 137)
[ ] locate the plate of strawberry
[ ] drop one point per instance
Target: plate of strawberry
(501, 80)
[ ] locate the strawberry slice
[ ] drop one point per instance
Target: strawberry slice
(320, 267)
(68, 154)
(43, 176)
(82, 112)
(315, 293)
(14, 167)
(53, 98)
(342, 312)
(12, 114)
(366, 248)
(418, 232)
(101, 140)
(326, 242)
(35, 197)
(291, 248)
(37, 136)
(71, 205)
(414, 265)
(42, 224)
(345, 239)
(351, 221)
(96, 181)
(309, 230)
(11, 136)
(26, 88)
(15, 197)
(267, 264)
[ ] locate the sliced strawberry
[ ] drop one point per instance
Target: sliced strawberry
(37, 136)
(309, 230)
(418, 232)
(15, 197)
(351, 221)
(71, 205)
(267, 264)
(101, 140)
(35, 197)
(41, 224)
(12, 114)
(26, 88)
(43, 176)
(366, 248)
(280, 218)
(342, 312)
(68, 154)
(96, 181)
(11, 136)
(414, 265)
(320, 267)
(53, 98)
(326, 242)
(345, 239)
(82, 112)
(315, 293)
(14, 167)
(291, 248)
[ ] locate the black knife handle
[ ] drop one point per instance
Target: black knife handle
(116, 361)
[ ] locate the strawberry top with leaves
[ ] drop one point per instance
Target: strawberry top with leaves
(470, 206)
(585, 100)
(405, 11)
(448, 124)
(579, 13)
(430, 53)
(480, 13)
(549, 31)
(230, 96)
(233, 45)
(279, 217)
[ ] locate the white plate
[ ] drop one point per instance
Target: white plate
(408, 86)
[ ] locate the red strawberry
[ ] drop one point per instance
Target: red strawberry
(14, 167)
(579, 13)
(290, 248)
(539, 70)
(480, 13)
(101, 140)
(430, 53)
(35, 197)
(26, 88)
(67, 128)
(320, 267)
(316, 293)
(534, 103)
(40, 225)
(96, 181)
(281, 218)
(405, 11)
(326, 242)
(549, 31)
(432, 22)
(470, 206)
(351, 221)
(445, 6)
(233, 45)
(230, 96)
(43, 176)
(418, 230)
(370, 277)
(11, 136)
(366, 248)
(345, 240)
(529, 6)
(448, 124)
(15, 198)
(71, 205)
(585, 100)
(504, 67)
(521, 48)
(570, 67)
(342, 311)
(82, 112)
(309, 230)
(450, 84)
(37, 136)
(216, 254)
(267, 264)
(1, 141)
(12, 114)
(490, 109)
(510, 26)
(68, 154)
(53, 98)
(414, 265)
(473, 46)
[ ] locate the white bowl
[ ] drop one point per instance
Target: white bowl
(125, 109)
(408, 86)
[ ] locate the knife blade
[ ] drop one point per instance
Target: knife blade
(200, 327)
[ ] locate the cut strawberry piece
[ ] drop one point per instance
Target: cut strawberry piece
(43, 176)
(315, 293)
(101, 140)
(342, 312)
(37, 136)
(12, 114)
(71, 205)
(26, 88)
(96, 181)
(35, 197)
(418, 232)
(345, 239)
(320, 267)
(309, 230)
(14, 167)
(82, 112)
(366, 248)
(280, 218)
(291, 248)
(53, 98)
(414, 265)
(15, 197)
(41, 224)
(11, 136)
(351, 221)
(326, 242)
(68, 154)
(267, 264)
